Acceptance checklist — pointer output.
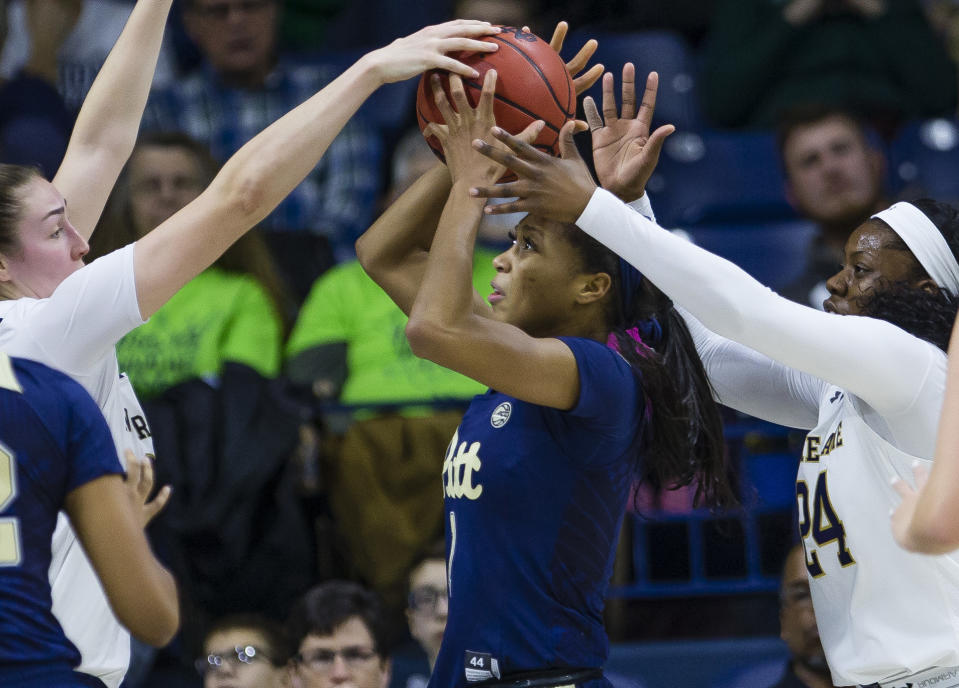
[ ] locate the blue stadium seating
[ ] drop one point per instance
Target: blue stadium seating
(716, 177)
(664, 52)
(774, 252)
(924, 159)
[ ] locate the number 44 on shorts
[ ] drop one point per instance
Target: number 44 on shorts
(480, 666)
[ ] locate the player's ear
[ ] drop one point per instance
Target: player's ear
(593, 287)
(4, 269)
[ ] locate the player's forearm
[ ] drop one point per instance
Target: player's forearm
(444, 303)
(111, 112)
(934, 528)
(407, 227)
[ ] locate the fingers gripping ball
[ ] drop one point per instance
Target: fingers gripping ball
(532, 84)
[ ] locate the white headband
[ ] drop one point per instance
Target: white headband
(926, 243)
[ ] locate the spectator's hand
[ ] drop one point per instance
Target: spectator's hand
(139, 482)
(427, 49)
(464, 125)
(581, 82)
(49, 22)
(624, 152)
(553, 188)
(902, 517)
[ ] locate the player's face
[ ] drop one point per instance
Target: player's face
(236, 36)
(429, 605)
(869, 266)
(163, 179)
(346, 659)
(833, 176)
(260, 672)
(50, 249)
(796, 616)
(535, 287)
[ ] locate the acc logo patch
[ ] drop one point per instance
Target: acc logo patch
(501, 414)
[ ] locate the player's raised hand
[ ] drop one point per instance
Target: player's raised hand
(466, 123)
(429, 48)
(554, 188)
(624, 152)
(581, 81)
(902, 517)
(139, 482)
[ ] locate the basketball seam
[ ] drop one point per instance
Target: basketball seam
(539, 71)
(512, 104)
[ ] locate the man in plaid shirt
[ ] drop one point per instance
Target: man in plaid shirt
(240, 87)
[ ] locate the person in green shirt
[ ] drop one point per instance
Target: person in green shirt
(233, 311)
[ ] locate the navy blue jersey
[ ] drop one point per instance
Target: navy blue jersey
(53, 439)
(534, 501)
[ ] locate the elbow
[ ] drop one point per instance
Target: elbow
(365, 254)
(425, 338)
(157, 625)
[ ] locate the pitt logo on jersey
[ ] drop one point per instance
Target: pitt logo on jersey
(814, 447)
(458, 468)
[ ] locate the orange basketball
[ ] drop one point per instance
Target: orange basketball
(532, 83)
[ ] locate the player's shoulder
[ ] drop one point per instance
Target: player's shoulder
(43, 387)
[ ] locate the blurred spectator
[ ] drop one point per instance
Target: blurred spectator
(349, 345)
(834, 178)
(83, 31)
(427, 606)
(245, 651)
(232, 311)
(34, 122)
(876, 57)
(243, 84)
(807, 665)
(505, 12)
(339, 632)
(690, 18)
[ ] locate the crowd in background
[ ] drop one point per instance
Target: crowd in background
(302, 437)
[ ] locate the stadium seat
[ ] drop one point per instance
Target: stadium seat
(716, 177)
(924, 158)
(664, 52)
(773, 252)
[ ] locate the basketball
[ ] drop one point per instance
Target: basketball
(532, 83)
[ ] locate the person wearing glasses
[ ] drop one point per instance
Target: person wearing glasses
(245, 651)
(427, 607)
(340, 633)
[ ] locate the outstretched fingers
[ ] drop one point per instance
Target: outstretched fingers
(567, 146)
(507, 158)
(609, 100)
(485, 106)
(459, 95)
(648, 106)
(629, 91)
(439, 97)
(593, 118)
(559, 35)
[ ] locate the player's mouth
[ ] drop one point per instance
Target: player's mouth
(829, 306)
(496, 296)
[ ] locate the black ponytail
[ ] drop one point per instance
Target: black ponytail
(683, 442)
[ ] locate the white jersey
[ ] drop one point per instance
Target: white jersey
(883, 613)
(75, 331)
(873, 624)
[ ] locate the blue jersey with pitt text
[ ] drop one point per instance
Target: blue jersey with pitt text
(534, 501)
(53, 439)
